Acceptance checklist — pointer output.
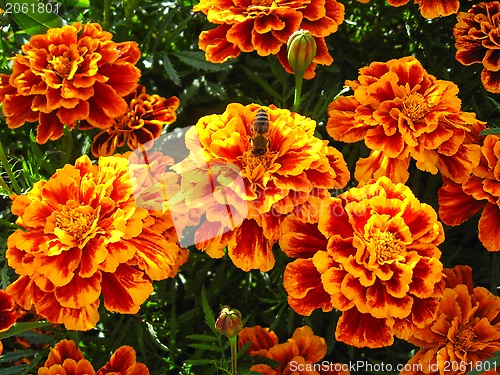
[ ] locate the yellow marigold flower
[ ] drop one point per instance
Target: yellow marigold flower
(264, 26)
(373, 255)
(299, 355)
(477, 40)
(403, 112)
(464, 334)
(248, 181)
(84, 236)
(480, 192)
(69, 74)
(142, 123)
(67, 358)
(429, 8)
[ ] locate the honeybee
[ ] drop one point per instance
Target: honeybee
(260, 133)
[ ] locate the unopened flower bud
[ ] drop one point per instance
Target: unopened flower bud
(301, 51)
(229, 322)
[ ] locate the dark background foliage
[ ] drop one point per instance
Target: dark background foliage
(173, 332)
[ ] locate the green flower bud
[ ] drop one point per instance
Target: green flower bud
(301, 51)
(229, 322)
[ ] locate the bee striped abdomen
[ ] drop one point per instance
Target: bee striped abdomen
(260, 133)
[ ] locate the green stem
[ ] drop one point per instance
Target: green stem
(298, 92)
(12, 177)
(233, 342)
(106, 14)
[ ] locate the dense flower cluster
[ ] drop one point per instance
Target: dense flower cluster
(247, 194)
(296, 356)
(84, 236)
(264, 26)
(465, 332)
(403, 112)
(480, 192)
(67, 359)
(373, 255)
(477, 40)
(142, 123)
(429, 8)
(69, 74)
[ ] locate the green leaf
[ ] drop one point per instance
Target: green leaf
(254, 76)
(209, 347)
(15, 356)
(13, 370)
(201, 337)
(209, 315)
(19, 328)
(490, 131)
(34, 17)
(197, 60)
(170, 70)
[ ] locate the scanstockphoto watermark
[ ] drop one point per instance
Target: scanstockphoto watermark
(195, 185)
(353, 366)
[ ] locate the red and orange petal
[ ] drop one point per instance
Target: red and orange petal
(456, 206)
(401, 111)
(480, 192)
(381, 261)
(123, 361)
(64, 349)
(260, 338)
(294, 172)
(84, 236)
(363, 330)
(67, 358)
(429, 8)
(465, 330)
(142, 123)
(69, 74)
(477, 41)
(265, 28)
(437, 8)
(302, 350)
(8, 315)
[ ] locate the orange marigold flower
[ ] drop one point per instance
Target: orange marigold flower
(296, 356)
(265, 26)
(69, 74)
(403, 112)
(84, 236)
(429, 8)
(465, 332)
(373, 255)
(477, 40)
(247, 182)
(67, 359)
(142, 123)
(480, 192)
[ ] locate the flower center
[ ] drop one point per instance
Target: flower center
(464, 338)
(77, 223)
(251, 162)
(415, 106)
(387, 246)
(65, 63)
